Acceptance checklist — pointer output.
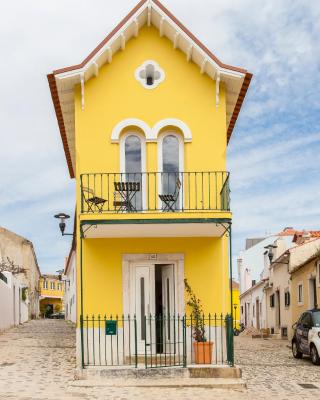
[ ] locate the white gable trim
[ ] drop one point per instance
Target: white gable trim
(118, 41)
(151, 134)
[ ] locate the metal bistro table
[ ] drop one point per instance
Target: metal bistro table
(126, 191)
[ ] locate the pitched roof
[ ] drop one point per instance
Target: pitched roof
(235, 285)
(62, 81)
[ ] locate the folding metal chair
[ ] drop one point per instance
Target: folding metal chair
(170, 199)
(93, 202)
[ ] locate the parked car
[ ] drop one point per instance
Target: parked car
(59, 315)
(306, 338)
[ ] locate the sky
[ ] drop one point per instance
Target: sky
(273, 156)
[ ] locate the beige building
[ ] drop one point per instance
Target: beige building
(305, 279)
(292, 285)
(278, 292)
(17, 252)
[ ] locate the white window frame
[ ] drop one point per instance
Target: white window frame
(161, 138)
(59, 286)
(45, 284)
(285, 293)
(142, 138)
(156, 67)
(51, 285)
(300, 303)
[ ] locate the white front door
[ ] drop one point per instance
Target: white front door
(143, 302)
(168, 302)
(156, 330)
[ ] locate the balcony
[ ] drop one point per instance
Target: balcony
(154, 204)
(155, 192)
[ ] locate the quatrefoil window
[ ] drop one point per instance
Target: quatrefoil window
(149, 74)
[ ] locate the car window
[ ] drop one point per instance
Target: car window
(306, 319)
(316, 319)
(301, 318)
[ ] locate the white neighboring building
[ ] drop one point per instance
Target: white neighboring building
(13, 309)
(254, 272)
(70, 276)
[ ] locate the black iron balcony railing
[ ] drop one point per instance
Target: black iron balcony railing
(155, 192)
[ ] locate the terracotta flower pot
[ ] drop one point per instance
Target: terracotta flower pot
(202, 352)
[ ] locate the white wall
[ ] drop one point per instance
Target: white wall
(251, 262)
(12, 309)
(70, 300)
(248, 301)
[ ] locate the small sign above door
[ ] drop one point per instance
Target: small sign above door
(153, 256)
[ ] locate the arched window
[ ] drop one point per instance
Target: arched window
(170, 154)
(132, 154)
(171, 165)
(132, 166)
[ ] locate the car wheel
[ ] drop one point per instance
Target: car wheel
(314, 355)
(295, 350)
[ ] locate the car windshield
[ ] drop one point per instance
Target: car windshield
(316, 318)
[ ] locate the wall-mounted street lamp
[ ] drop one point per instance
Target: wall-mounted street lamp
(270, 248)
(235, 315)
(62, 224)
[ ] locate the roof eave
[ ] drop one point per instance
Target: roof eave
(59, 115)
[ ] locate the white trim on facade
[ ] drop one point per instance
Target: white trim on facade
(177, 259)
(129, 122)
(185, 130)
(142, 81)
(151, 134)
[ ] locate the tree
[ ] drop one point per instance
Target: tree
(7, 265)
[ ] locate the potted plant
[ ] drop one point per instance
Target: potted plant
(201, 347)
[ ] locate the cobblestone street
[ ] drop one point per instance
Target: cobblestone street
(37, 362)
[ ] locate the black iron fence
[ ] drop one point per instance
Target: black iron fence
(155, 192)
(156, 341)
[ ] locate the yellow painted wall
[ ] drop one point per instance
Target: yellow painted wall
(302, 275)
(236, 302)
(57, 304)
(205, 268)
(50, 292)
(116, 95)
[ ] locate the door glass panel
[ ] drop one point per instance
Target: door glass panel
(142, 305)
(170, 167)
(133, 168)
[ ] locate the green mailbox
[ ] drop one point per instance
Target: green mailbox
(111, 327)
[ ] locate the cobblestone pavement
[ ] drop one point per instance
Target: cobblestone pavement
(37, 361)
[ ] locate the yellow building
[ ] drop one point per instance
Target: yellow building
(236, 303)
(305, 281)
(51, 294)
(145, 121)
